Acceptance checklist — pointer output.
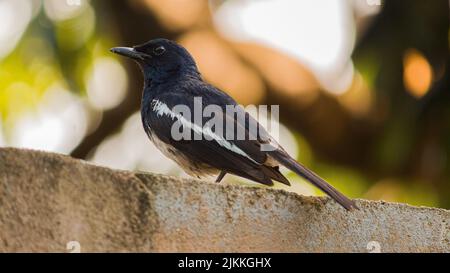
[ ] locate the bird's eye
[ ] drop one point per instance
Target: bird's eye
(159, 50)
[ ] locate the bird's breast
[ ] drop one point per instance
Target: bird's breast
(190, 166)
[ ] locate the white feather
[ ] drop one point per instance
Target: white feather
(162, 109)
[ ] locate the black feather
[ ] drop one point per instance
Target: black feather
(302, 171)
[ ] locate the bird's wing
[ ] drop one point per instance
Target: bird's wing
(240, 157)
(255, 135)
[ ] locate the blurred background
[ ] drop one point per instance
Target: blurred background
(363, 85)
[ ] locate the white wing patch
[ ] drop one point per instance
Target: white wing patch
(161, 109)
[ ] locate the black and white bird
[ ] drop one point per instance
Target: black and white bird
(171, 79)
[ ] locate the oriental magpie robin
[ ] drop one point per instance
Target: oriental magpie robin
(172, 79)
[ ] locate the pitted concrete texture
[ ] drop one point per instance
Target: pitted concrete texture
(48, 200)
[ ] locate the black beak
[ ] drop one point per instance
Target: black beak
(130, 53)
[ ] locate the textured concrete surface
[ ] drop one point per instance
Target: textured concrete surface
(48, 200)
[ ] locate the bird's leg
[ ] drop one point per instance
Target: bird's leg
(220, 177)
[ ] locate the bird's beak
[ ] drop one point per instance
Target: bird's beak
(130, 53)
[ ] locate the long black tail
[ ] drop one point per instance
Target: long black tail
(301, 170)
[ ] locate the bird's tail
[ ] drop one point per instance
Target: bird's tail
(302, 171)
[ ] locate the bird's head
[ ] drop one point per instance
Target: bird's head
(160, 58)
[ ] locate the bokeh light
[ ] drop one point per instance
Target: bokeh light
(58, 124)
(319, 34)
(104, 93)
(232, 75)
(177, 15)
(58, 10)
(14, 18)
(418, 73)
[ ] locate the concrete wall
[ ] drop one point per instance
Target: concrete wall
(48, 200)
